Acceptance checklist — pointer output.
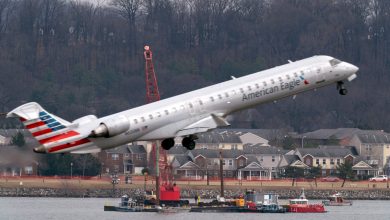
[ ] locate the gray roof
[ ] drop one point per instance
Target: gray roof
(178, 149)
(341, 151)
(339, 133)
(268, 134)
(291, 158)
(218, 136)
(258, 149)
(214, 153)
(374, 137)
(118, 150)
(182, 159)
(136, 149)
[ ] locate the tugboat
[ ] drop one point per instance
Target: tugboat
(302, 205)
(129, 205)
(337, 200)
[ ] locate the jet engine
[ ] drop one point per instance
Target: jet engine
(111, 127)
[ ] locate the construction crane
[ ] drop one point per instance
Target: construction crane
(167, 192)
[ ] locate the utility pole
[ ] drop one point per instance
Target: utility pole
(221, 173)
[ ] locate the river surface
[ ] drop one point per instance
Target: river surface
(92, 208)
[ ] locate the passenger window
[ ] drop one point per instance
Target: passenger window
(280, 79)
(249, 88)
(241, 90)
(212, 99)
(135, 121)
(295, 74)
(233, 92)
(166, 112)
(302, 73)
(151, 116)
(174, 109)
(272, 81)
(158, 114)
(264, 83)
(182, 107)
(143, 119)
(257, 86)
(226, 94)
(200, 102)
(287, 77)
(219, 96)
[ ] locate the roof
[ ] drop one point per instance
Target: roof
(178, 149)
(118, 150)
(268, 134)
(218, 136)
(182, 159)
(214, 153)
(374, 137)
(291, 158)
(338, 133)
(259, 149)
(136, 149)
(333, 151)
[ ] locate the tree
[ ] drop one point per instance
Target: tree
(314, 173)
(345, 171)
(18, 139)
(294, 172)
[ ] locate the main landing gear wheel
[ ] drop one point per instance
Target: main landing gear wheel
(168, 143)
(189, 142)
(340, 87)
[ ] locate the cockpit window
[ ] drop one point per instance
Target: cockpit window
(334, 62)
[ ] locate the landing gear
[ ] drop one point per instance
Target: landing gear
(189, 142)
(168, 143)
(340, 87)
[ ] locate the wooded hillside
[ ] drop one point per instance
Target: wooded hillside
(77, 58)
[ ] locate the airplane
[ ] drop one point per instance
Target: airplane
(183, 115)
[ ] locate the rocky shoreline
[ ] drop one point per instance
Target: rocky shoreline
(374, 194)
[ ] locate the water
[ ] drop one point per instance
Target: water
(92, 208)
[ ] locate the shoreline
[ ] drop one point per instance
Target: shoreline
(355, 194)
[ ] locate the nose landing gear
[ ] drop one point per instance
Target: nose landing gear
(341, 88)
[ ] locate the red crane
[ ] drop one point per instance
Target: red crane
(166, 191)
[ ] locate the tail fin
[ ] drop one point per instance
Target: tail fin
(37, 120)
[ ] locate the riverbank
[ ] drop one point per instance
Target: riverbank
(373, 194)
(103, 188)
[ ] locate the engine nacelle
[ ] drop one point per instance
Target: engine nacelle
(84, 120)
(112, 127)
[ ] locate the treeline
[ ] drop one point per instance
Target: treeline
(78, 58)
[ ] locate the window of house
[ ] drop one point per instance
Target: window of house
(115, 156)
(323, 161)
(126, 155)
(230, 162)
(241, 163)
(116, 168)
(223, 162)
(317, 161)
(273, 158)
(138, 157)
(331, 161)
(338, 162)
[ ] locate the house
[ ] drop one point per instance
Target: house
(17, 162)
(115, 160)
(374, 146)
(268, 156)
(136, 160)
(327, 157)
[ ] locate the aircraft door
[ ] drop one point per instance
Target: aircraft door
(320, 74)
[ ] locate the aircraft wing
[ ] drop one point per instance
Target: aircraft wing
(203, 125)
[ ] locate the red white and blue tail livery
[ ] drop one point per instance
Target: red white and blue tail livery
(184, 115)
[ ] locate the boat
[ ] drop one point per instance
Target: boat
(272, 208)
(337, 200)
(302, 205)
(129, 205)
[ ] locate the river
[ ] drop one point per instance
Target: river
(38, 208)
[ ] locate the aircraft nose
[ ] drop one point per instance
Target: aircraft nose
(354, 68)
